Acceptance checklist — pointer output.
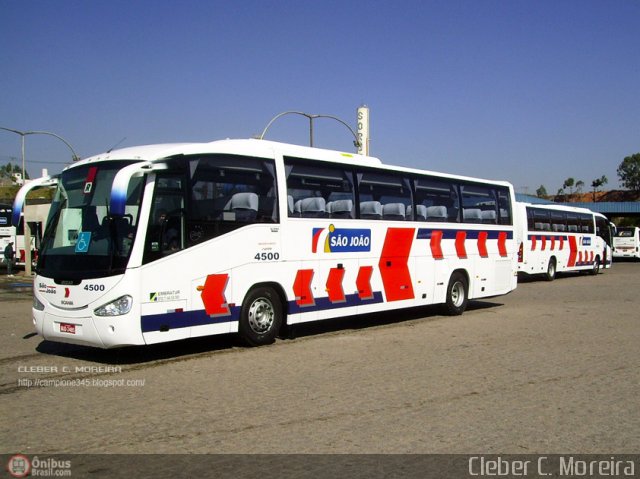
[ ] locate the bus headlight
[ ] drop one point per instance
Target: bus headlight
(117, 307)
(37, 304)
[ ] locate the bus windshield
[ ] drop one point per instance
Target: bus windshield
(5, 215)
(625, 232)
(82, 239)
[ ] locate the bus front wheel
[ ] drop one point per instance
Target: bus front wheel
(457, 294)
(260, 317)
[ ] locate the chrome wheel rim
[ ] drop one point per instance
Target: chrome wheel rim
(261, 315)
(457, 294)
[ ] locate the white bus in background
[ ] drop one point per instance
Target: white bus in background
(36, 216)
(626, 242)
(7, 230)
(558, 238)
(166, 242)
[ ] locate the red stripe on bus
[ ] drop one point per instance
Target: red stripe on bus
(544, 243)
(363, 282)
(334, 285)
(396, 278)
(533, 243)
(302, 287)
(461, 236)
(436, 246)
(482, 244)
(91, 174)
(502, 243)
(213, 298)
(573, 251)
(314, 240)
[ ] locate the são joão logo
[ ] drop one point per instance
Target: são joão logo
(343, 240)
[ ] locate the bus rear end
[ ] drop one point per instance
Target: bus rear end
(626, 243)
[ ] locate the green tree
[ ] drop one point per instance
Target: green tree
(598, 183)
(579, 186)
(6, 170)
(568, 183)
(629, 172)
(541, 192)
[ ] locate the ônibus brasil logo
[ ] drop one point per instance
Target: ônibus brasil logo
(19, 466)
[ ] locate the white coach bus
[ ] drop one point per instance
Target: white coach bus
(626, 243)
(558, 238)
(15, 234)
(165, 242)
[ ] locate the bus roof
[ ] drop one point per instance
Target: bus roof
(557, 207)
(259, 148)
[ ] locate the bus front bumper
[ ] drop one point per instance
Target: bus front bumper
(101, 332)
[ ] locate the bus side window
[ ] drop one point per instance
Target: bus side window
(227, 192)
(479, 204)
(392, 192)
(318, 191)
(504, 206)
(436, 200)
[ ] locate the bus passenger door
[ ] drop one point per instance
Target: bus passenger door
(163, 289)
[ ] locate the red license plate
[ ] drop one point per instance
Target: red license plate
(67, 328)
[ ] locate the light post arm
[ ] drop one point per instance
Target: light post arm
(356, 142)
(20, 200)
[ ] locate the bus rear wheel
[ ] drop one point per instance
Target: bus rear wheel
(550, 275)
(596, 266)
(457, 294)
(260, 317)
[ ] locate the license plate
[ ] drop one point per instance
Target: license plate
(67, 328)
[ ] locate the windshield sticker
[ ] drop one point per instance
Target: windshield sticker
(84, 238)
(91, 176)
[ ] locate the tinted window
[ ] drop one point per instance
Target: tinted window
(384, 196)
(227, 192)
(479, 204)
(538, 219)
(319, 191)
(436, 200)
(214, 194)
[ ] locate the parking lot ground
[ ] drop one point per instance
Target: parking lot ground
(550, 368)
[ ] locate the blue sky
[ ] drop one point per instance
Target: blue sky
(531, 92)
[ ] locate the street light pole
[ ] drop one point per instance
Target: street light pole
(356, 142)
(26, 231)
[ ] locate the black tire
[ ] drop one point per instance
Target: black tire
(261, 317)
(457, 294)
(550, 275)
(596, 266)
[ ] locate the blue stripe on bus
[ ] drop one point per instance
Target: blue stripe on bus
(322, 304)
(426, 233)
(185, 319)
